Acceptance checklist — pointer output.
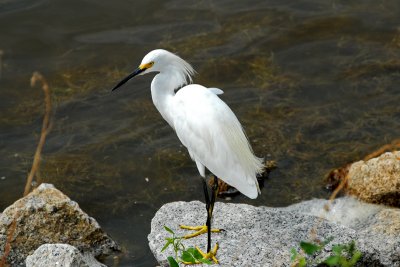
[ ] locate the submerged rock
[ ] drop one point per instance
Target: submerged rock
(262, 236)
(50, 255)
(48, 216)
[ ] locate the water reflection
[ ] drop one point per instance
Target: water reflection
(314, 83)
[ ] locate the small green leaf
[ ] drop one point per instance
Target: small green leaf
(357, 255)
(302, 262)
(172, 262)
(293, 253)
(309, 248)
(169, 242)
(188, 257)
(337, 249)
(206, 261)
(197, 254)
(168, 230)
(332, 260)
(351, 247)
(191, 250)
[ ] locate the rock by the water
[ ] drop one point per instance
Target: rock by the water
(262, 236)
(50, 255)
(353, 213)
(48, 216)
(376, 180)
(377, 226)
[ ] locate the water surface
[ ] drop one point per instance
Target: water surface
(315, 84)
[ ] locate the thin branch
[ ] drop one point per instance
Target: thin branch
(37, 77)
(395, 144)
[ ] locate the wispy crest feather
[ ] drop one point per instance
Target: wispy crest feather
(183, 70)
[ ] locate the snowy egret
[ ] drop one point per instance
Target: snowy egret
(205, 125)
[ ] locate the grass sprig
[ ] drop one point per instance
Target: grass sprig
(182, 254)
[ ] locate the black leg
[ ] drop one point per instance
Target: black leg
(205, 188)
(208, 222)
(210, 208)
(214, 193)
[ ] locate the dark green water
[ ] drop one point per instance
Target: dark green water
(315, 84)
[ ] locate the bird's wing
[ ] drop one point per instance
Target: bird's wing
(216, 91)
(214, 137)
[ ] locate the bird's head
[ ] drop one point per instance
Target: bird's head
(161, 60)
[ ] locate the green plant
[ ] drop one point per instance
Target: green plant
(343, 255)
(338, 259)
(187, 255)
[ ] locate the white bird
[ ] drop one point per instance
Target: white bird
(205, 125)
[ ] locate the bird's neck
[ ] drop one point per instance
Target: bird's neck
(162, 93)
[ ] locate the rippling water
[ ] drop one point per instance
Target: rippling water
(315, 84)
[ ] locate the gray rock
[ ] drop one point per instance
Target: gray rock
(346, 211)
(63, 255)
(48, 216)
(377, 226)
(262, 236)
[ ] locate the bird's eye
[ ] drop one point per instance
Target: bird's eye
(146, 65)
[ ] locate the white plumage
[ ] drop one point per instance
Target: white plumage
(214, 138)
(205, 125)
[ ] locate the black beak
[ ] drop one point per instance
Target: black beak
(127, 78)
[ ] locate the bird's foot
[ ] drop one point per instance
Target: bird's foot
(202, 229)
(210, 255)
(206, 256)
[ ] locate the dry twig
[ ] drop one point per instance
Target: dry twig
(37, 77)
(393, 145)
